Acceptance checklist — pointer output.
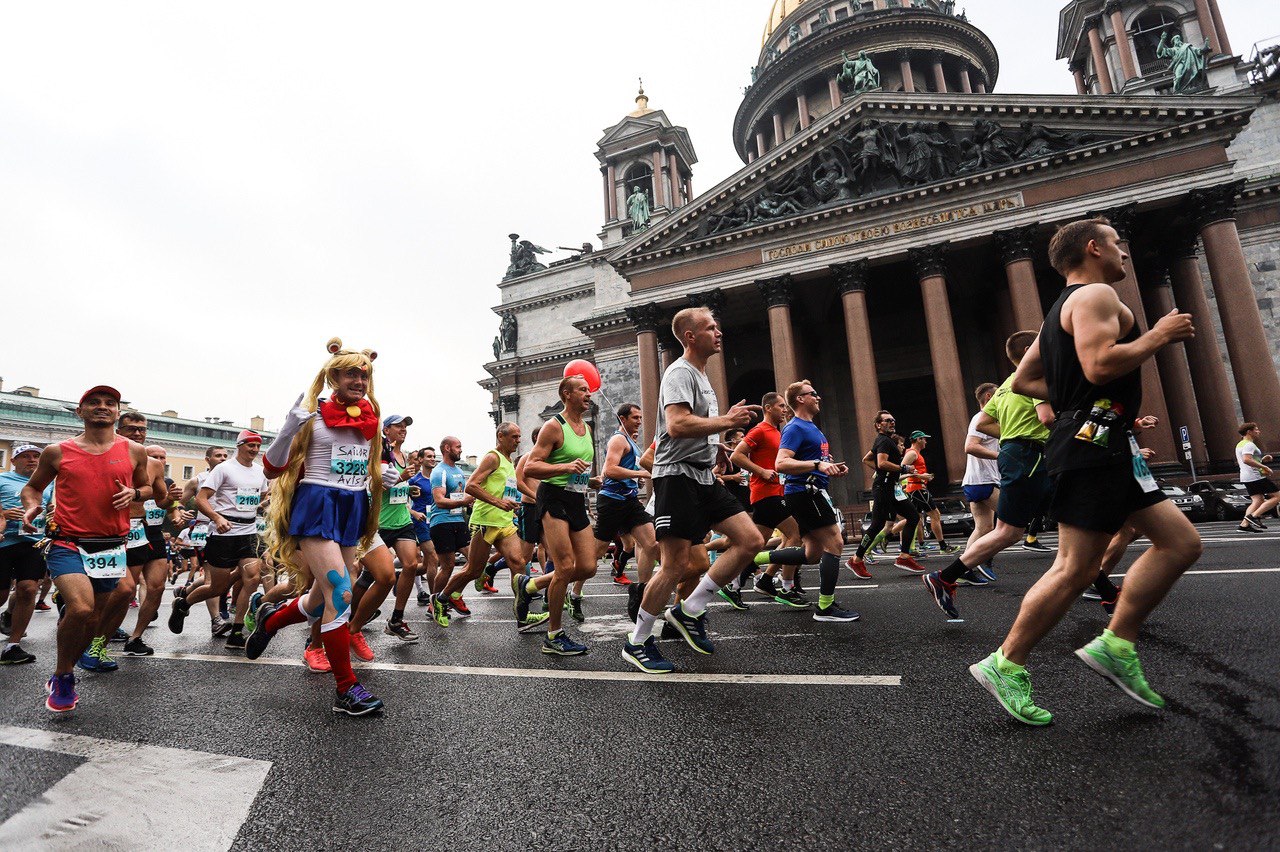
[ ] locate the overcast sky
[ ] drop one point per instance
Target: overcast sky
(195, 196)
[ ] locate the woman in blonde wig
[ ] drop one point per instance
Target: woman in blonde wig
(319, 513)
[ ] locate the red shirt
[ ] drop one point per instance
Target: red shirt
(915, 483)
(85, 485)
(762, 443)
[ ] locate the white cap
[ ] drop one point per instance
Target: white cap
(19, 449)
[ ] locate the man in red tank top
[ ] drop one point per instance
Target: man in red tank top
(98, 474)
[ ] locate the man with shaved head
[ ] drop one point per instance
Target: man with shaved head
(449, 530)
(154, 571)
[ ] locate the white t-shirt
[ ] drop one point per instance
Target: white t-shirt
(338, 458)
(1248, 473)
(981, 471)
(237, 493)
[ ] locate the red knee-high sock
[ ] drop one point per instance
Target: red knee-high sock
(337, 646)
(290, 613)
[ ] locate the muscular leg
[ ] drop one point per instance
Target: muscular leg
(78, 625)
(21, 605)
(153, 575)
(250, 576)
(380, 566)
(1175, 546)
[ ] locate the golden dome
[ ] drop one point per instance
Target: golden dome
(781, 8)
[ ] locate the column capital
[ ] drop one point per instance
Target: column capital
(646, 318)
(713, 299)
(1121, 218)
(1094, 23)
(1076, 66)
(1016, 243)
(929, 261)
(1183, 241)
(1112, 7)
(904, 54)
(851, 277)
(509, 401)
(496, 416)
(1215, 204)
(777, 292)
(936, 55)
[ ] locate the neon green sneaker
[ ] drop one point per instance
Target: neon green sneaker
(1124, 671)
(535, 621)
(1012, 690)
(439, 611)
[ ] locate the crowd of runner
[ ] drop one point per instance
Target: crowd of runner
(335, 521)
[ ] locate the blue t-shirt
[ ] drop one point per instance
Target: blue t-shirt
(807, 443)
(453, 481)
(623, 489)
(11, 485)
(424, 501)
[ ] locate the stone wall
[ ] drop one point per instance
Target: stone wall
(1256, 150)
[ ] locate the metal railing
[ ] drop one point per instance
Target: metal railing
(1265, 59)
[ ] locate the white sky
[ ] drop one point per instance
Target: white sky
(195, 196)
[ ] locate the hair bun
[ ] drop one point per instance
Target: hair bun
(334, 345)
(371, 354)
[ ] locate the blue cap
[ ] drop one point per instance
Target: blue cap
(393, 419)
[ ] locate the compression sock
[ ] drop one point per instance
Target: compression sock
(828, 575)
(1105, 587)
(397, 615)
(745, 577)
(644, 627)
(953, 571)
(696, 605)
(337, 647)
(825, 601)
(625, 557)
(785, 556)
(290, 613)
(879, 539)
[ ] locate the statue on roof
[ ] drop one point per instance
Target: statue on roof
(508, 331)
(638, 208)
(524, 258)
(858, 75)
(1186, 61)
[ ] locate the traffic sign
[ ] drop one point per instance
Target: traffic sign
(1186, 440)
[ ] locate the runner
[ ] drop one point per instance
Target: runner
(981, 485)
(230, 497)
(619, 511)
(886, 460)
(1256, 476)
(449, 532)
(561, 459)
(1087, 364)
(396, 528)
(320, 512)
(98, 475)
(199, 536)
(917, 488)
(689, 500)
(420, 511)
(21, 562)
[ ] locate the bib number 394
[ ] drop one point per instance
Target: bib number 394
(105, 564)
(1141, 472)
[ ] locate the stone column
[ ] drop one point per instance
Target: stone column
(668, 349)
(1099, 57)
(966, 84)
(673, 174)
(1207, 27)
(948, 380)
(1257, 384)
(1224, 42)
(716, 371)
(613, 194)
(904, 63)
(761, 146)
(982, 86)
(1016, 248)
(1124, 46)
(939, 75)
(777, 294)
(1208, 372)
(1077, 71)
(1153, 398)
(802, 109)
(833, 87)
(659, 183)
(777, 129)
(851, 281)
(646, 319)
(1175, 373)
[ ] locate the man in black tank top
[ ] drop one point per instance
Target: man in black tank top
(1087, 364)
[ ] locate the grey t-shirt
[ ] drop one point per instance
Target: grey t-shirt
(691, 457)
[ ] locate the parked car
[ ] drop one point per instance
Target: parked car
(1223, 501)
(1192, 505)
(957, 520)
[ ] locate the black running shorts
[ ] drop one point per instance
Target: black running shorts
(770, 512)
(812, 510)
(687, 509)
(529, 523)
(451, 536)
(20, 561)
(404, 533)
(1100, 499)
(1265, 487)
(563, 505)
(226, 551)
(619, 516)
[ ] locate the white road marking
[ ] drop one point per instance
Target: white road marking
(1227, 571)
(753, 598)
(569, 674)
(150, 791)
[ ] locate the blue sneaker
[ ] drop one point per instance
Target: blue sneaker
(563, 646)
(988, 571)
(943, 595)
(96, 659)
(692, 630)
(972, 577)
(646, 656)
(62, 693)
(521, 599)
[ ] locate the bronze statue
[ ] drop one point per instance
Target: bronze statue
(508, 332)
(638, 208)
(858, 75)
(523, 258)
(1187, 62)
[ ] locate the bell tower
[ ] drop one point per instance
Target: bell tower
(646, 167)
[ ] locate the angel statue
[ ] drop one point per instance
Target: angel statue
(524, 258)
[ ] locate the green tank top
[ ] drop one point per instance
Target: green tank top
(394, 511)
(500, 483)
(575, 446)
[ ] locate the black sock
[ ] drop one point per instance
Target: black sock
(787, 556)
(1104, 587)
(397, 615)
(747, 574)
(829, 573)
(953, 571)
(237, 629)
(627, 556)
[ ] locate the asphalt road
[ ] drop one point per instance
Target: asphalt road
(917, 755)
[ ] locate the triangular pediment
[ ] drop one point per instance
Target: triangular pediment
(632, 125)
(878, 150)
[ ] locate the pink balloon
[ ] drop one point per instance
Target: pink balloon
(586, 370)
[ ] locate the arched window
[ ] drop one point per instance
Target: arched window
(1146, 36)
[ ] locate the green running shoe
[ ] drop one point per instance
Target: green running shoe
(439, 611)
(1012, 690)
(535, 622)
(1124, 672)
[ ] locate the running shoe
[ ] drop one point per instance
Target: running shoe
(357, 701)
(646, 657)
(1124, 671)
(137, 648)
(535, 622)
(1254, 522)
(1012, 690)
(235, 641)
(483, 580)
(859, 568)
(621, 580)
(972, 577)
(881, 549)
(41, 606)
(834, 613)
(635, 595)
(439, 611)
(1091, 594)
(178, 614)
(870, 557)
(423, 598)
(6, 620)
(1037, 547)
(401, 631)
(16, 656)
(220, 627)
(317, 660)
(360, 647)
(251, 617)
(62, 693)
(257, 641)
(764, 585)
(458, 605)
(988, 570)
(573, 603)
(119, 636)
(489, 589)
(1246, 527)
(96, 659)
(792, 598)
(691, 630)
(563, 646)
(944, 595)
(181, 592)
(520, 598)
(907, 563)
(669, 632)
(948, 548)
(733, 596)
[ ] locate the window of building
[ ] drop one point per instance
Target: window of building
(167, 472)
(1146, 37)
(841, 13)
(188, 471)
(640, 175)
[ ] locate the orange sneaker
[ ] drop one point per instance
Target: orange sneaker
(361, 648)
(906, 563)
(859, 568)
(317, 659)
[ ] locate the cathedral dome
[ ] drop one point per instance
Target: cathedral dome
(781, 9)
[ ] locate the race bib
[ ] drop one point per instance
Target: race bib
(713, 411)
(398, 495)
(898, 493)
(511, 491)
(200, 535)
(458, 510)
(578, 483)
(137, 534)
(105, 564)
(248, 500)
(349, 465)
(746, 477)
(262, 525)
(152, 514)
(1141, 472)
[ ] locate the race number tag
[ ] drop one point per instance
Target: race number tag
(578, 483)
(248, 499)
(399, 494)
(105, 564)
(458, 510)
(152, 514)
(511, 491)
(713, 411)
(137, 534)
(262, 525)
(349, 465)
(200, 535)
(746, 477)
(898, 493)
(1141, 472)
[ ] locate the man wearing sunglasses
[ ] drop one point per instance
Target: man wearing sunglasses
(886, 459)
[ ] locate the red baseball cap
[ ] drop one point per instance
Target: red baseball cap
(107, 389)
(248, 437)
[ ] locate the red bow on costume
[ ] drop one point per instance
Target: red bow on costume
(357, 416)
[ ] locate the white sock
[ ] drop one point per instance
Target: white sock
(696, 604)
(417, 585)
(644, 628)
(734, 584)
(8, 645)
(788, 585)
